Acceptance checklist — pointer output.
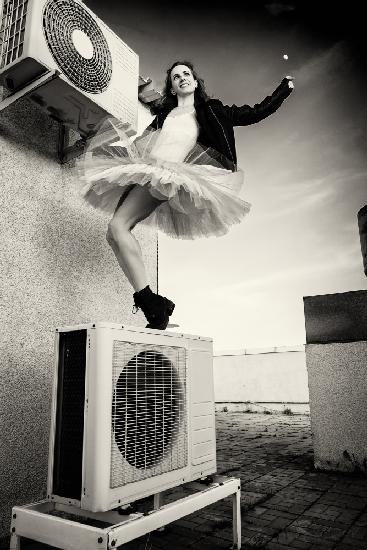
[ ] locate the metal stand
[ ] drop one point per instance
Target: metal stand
(34, 521)
(67, 152)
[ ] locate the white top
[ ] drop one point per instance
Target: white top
(178, 135)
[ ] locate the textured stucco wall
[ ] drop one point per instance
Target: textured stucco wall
(56, 269)
(262, 376)
(338, 405)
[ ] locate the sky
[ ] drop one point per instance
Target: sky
(305, 166)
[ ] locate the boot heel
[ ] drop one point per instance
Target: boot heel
(170, 307)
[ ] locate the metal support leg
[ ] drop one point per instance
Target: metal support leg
(158, 500)
(236, 507)
(14, 542)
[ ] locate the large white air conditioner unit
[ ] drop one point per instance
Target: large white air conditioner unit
(95, 72)
(133, 414)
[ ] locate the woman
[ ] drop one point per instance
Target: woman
(180, 176)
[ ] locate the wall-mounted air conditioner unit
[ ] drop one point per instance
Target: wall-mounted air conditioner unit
(95, 72)
(133, 414)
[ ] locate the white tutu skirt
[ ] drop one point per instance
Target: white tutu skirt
(200, 197)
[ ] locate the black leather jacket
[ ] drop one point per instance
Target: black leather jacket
(216, 121)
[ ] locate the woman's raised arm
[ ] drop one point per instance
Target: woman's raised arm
(245, 114)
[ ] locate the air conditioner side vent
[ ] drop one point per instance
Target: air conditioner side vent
(68, 447)
(12, 29)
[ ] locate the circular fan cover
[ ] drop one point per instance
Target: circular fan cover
(61, 18)
(147, 404)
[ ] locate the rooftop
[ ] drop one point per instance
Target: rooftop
(285, 503)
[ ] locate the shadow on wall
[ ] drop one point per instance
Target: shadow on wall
(14, 122)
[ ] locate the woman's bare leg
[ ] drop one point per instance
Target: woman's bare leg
(137, 206)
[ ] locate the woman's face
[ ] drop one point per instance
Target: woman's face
(183, 81)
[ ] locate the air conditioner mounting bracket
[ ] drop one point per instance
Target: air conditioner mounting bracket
(49, 75)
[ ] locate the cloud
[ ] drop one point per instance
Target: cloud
(329, 182)
(276, 8)
(286, 276)
(301, 195)
(325, 64)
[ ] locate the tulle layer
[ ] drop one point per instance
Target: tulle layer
(200, 197)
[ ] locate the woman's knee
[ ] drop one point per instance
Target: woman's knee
(117, 229)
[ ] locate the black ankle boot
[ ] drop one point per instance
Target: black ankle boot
(156, 308)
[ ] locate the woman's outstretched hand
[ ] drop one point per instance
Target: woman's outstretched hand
(290, 81)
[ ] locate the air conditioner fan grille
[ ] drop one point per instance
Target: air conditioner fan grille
(149, 427)
(60, 19)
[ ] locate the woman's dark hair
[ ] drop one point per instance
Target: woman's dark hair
(168, 100)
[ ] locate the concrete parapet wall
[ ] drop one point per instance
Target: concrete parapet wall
(336, 358)
(264, 375)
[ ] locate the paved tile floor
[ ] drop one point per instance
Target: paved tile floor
(285, 503)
